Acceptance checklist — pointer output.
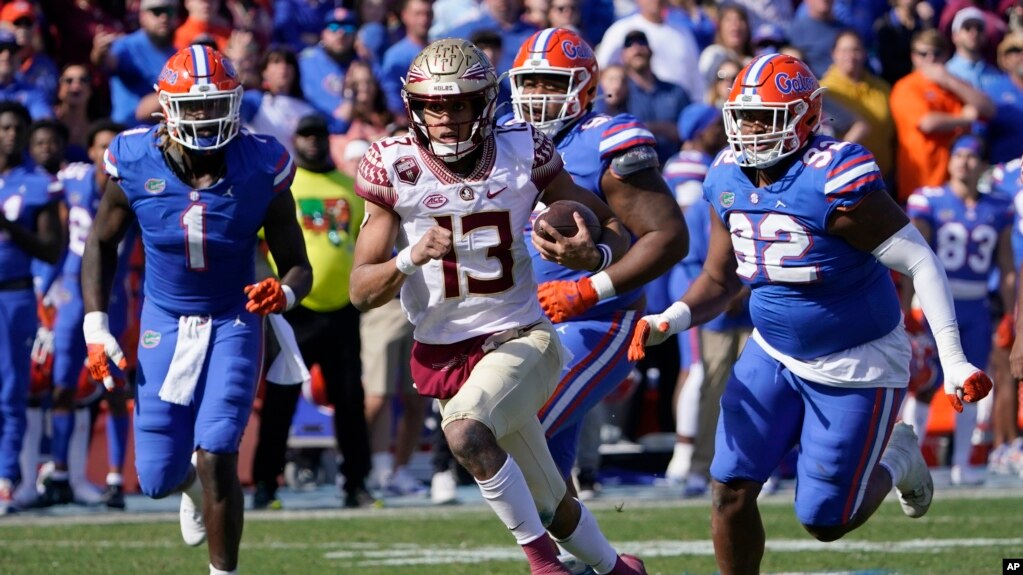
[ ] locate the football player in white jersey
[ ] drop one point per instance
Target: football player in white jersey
(455, 196)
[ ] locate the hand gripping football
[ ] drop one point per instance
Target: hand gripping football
(558, 215)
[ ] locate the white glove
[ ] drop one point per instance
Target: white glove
(101, 344)
(654, 329)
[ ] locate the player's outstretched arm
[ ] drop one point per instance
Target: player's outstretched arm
(580, 252)
(376, 275)
(99, 263)
(709, 295)
(879, 226)
(286, 244)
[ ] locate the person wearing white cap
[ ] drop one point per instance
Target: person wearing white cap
(968, 62)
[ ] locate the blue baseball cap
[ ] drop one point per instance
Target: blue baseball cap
(970, 143)
(343, 16)
(695, 118)
(7, 38)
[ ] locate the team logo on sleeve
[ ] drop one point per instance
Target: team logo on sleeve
(727, 199)
(155, 185)
(407, 169)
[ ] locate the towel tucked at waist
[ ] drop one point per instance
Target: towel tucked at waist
(189, 358)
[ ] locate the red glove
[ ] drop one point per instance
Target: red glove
(974, 387)
(1005, 334)
(266, 297)
(564, 299)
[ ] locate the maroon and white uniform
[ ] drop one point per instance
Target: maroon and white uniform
(485, 284)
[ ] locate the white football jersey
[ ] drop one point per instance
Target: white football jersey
(485, 283)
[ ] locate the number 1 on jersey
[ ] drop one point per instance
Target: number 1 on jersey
(194, 222)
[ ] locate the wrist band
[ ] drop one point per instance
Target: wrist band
(289, 297)
(602, 284)
(605, 257)
(404, 261)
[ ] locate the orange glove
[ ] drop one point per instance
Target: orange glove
(966, 383)
(101, 345)
(913, 325)
(562, 300)
(637, 347)
(1005, 333)
(266, 297)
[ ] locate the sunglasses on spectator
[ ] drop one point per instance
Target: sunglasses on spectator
(8, 48)
(928, 53)
(162, 11)
(68, 80)
(24, 22)
(629, 42)
(565, 8)
(338, 27)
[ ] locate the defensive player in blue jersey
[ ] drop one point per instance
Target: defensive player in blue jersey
(554, 86)
(29, 228)
(805, 221)
(200, 190)
(971, 234)
(83, 185)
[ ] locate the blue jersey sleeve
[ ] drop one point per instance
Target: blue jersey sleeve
(621, 134)
(918, 205)
(849, 173)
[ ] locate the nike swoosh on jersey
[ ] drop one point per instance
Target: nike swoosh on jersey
(494, 194)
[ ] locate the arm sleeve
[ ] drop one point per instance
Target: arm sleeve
(907, 253)
(546, 160)
(372, 182)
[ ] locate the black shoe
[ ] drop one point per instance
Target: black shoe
(57, 492)
(359, 498)
(113, 497)
(263, 498)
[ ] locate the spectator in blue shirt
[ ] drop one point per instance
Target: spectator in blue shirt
(504, 16)
(134, 62)
(37, 68)
(416, 17)
(968, 62)
(814, 34)
(323, 67)
(297, 23)
(1005, 131)
(13, 89)
(656, 103)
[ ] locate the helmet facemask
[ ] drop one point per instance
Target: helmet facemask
(788, 124)
(202, 119)
(536, 108)
(481, 124)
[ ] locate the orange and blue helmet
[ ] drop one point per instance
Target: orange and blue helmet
(554, 52)
(201, 98)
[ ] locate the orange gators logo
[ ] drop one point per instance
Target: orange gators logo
(408, 170)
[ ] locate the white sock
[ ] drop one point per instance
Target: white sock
(215, 571)
(683, 453)
(687, 410)
(589, 545)
(115, 479)
(383, 467)
(963, 436)
(194, 489)
(916, 413)
(508, 495)
(78, 448)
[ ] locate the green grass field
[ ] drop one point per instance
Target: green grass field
(968, 536)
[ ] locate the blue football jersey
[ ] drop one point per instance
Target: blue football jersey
(1007, 183)
(964, 237)
(812, 293)
(24, 192)
(587, 150)
(200, 245)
